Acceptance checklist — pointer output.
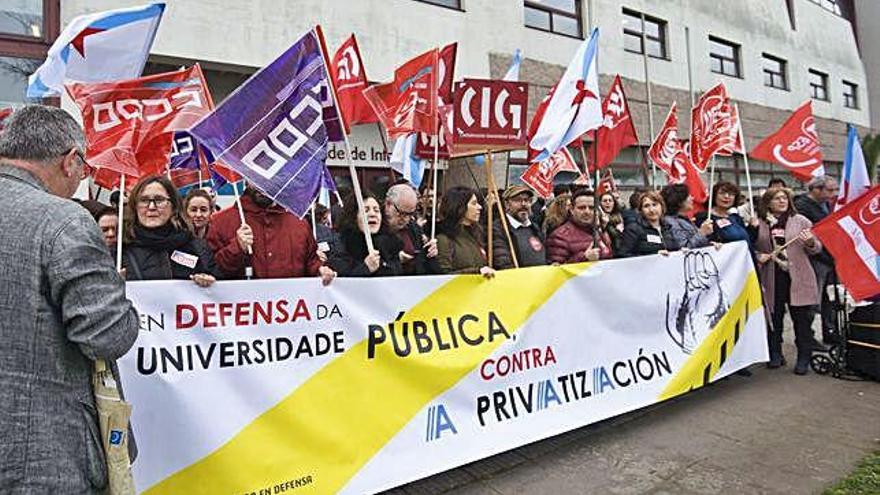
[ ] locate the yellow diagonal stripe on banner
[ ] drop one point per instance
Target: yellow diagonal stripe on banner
(705, 362)
(329, 427)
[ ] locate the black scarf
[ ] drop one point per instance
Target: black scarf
(165, 238)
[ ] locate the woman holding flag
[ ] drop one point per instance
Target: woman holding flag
(784, 245)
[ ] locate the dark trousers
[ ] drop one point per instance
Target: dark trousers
(801, 318)
(825, 276)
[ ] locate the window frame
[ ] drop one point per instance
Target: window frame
(783, 64)
(824, 86)
(737, 57)
(577, 16)
(834, 8)
(643, 37)
(22, 46)
(460, 8)
(854, 96)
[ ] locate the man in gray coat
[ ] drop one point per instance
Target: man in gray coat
(62, 306)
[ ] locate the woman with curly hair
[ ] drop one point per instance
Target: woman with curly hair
(556, 213)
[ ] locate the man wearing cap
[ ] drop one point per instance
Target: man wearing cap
(527, 238)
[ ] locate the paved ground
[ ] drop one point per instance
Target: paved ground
(773, 433)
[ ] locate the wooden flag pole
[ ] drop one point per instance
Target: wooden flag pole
(789, 243)
(586, 168)
(490, 206)
(434, 177)
(493, 191)
(711, 186)
(120, 229)
(742, 139)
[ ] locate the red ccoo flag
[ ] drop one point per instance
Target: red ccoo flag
(446, 72)
(130, 124)
(795, 145)
(539, 176)
(350, 80)
(618, 131)
(686, 173)
(736, 144)
(711, 125)
(409, 103)
(852, 236)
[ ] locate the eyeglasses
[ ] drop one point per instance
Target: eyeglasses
(405, 214)
(158, 202)
(86, 168)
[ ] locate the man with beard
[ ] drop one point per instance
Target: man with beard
(527, 238)
(419, 255)
(281, 245)
(575, 240)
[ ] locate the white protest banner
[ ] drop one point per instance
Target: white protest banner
(276, 385)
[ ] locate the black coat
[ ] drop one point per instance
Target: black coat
(150, 262)
(348, 260)
(422, 264)
(640, 238)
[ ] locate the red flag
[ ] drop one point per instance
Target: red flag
(666, 145)
(129, 124)
(409, 103)
(350, 79)
(852, 236)
(686, 173)
(795, 145)
(618, 131)
(446, 72)
(736, 144)
(710, 126)
(606, 184)
(539, 176)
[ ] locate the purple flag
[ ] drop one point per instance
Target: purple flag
(274, 129)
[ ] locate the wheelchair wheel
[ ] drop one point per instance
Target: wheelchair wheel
(821, 364)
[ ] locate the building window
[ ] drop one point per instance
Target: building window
(829, 5)
(452, 4)
(775, 72)
(22, 18)
(818, 85)
(724, 57)
(27, 29)
(555, 16)
(655, 34)
(850, 95)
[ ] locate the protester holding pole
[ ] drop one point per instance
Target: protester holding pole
(355, 258)
(727, 224)
(460, 244)
(784, 245)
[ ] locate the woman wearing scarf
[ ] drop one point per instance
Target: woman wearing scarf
(157, 243)
(352, 259)
(787, 278)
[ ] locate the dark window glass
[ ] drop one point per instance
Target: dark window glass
(850, 95)
(655, 34)
(818, 85)
(775, 72)
(14, 74)
(724, 57)
(452, 4)
(22, 18)
(556, 16)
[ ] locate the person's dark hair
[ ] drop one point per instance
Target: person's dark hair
(728, 187)
(560, 189)
(92, 206)
(674, 195)
(452, 210)
(131, 217)
(635, 197)
(106, 211)
(776, 182)
(654, 196)
(39, 133)
(198, 193)
(114, 198)
(581, 191)
(321, 212)
(763, 206)
(350, 211)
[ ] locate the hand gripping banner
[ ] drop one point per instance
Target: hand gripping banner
(274, 385)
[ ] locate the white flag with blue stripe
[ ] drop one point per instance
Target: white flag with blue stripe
(513, 70)
(405, 161)
(99, 47)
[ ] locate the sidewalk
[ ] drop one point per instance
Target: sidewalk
(773, 433)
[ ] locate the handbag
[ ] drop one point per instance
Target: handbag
(113, 418)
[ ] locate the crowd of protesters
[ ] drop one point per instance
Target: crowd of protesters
(79, 305)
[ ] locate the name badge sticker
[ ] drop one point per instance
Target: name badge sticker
(185, 259)
(654, 239)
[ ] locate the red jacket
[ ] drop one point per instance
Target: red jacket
(283, 244)
(568, 242)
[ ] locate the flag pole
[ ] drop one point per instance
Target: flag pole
(586, 165)
(687, 44)
(742, 139)
(355, 183)
(493, 193)
(490, 200)
(434, 177)
(248, 268)
(711, 186)
(650, 100)
(119, 228)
